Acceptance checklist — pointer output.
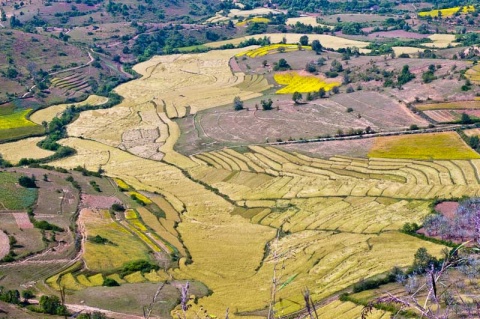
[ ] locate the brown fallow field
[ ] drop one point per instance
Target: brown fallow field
(214, 129)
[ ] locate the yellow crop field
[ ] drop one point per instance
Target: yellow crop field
(253, 20)
(47, 114)
(446, 145)
(121, 184)
(127, 247)
(26, 148)
(445, 13)
(295, 82)
(141, 197)
(15, 120)
(271, 49)
(473, 74)
(131, 214)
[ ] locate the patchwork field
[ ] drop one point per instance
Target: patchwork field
(447, 145)
(309, 20)
(188, 206)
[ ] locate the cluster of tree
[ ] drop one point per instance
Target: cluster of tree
(27, 182)
(337, 6)
(402, 78)
(429, 75)
(281, 65)
(143, 266)
(465, 225)
(306, 28)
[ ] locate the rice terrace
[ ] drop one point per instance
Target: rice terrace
(239, 159)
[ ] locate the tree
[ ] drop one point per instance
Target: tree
(3, 15)
(266, 105)
(52, 305)
(304, 40)
(317, 46)
(237, 104)
(282, 65)
(27, 182)
(465, 119)
(335, 90)
(336, 66)
(296, 97)
(321, 93)
(405, 76)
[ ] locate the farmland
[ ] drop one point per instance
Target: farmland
(212, 183)
(427, 146)
(295, 82)
(446, 12)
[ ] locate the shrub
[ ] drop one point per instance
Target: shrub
(109, 282)
(27, 182)
(143, 266)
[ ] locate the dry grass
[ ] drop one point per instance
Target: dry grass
(447, 145)
(441, 41)
(26, 148)
(305, 20)
(49, 113)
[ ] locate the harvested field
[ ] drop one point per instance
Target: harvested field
(22, 220)
(473, 74)
(447, 145)
(172, 86)
(26, 148)
(99, 202)
(443, 116)
(327, 41)
(397, 34)
(441, 41)
(406, 50)
(449, 105)
(47, 114)
(222, 127)
(354, 148)
(472, 132)
(4, 244)
(308, 20)
(207, 220)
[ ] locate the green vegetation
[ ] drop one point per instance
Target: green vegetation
(12, 196)
(144, 266)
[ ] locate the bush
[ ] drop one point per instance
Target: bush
(143, 266)
(118, 207)
(27, 182)
(109, 282)
(44, 225)
(52, 305)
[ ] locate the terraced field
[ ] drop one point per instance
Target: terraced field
(71, 84)
(271, 49)
(338, 217)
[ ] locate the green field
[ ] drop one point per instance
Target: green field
(17, 125)
(433, 146)
(12, 195)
